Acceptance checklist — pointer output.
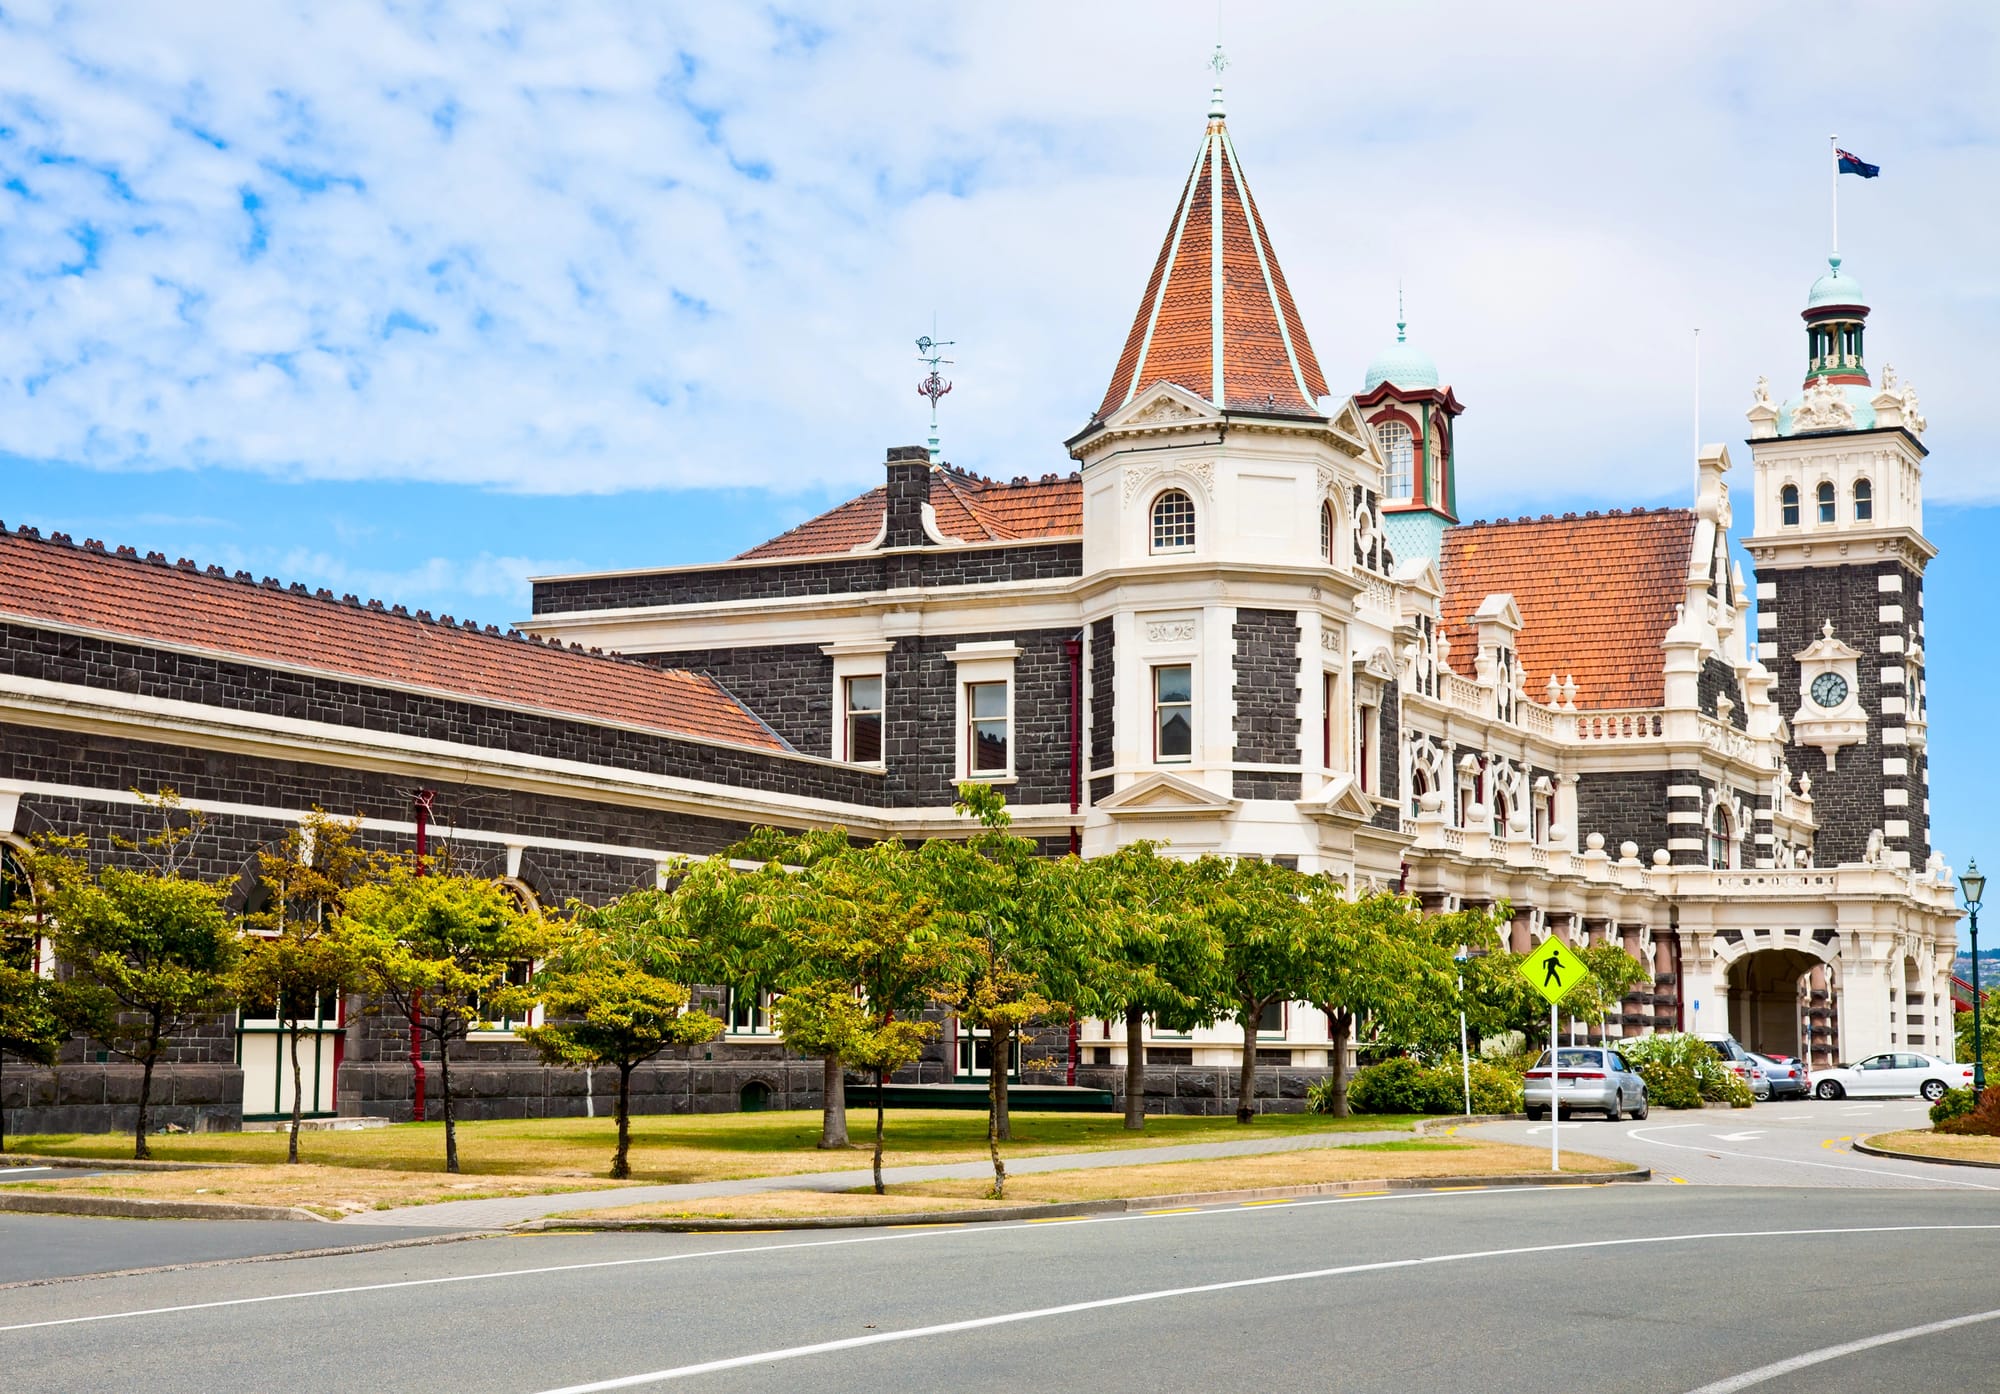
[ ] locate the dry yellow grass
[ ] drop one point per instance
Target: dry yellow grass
(328, 1191)
(1930, 1144)
(1374, 1163)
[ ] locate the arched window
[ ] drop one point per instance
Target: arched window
(1864, 501)
(1326, 530)
(1788, 503)
(1824, 496)
(1420, 785)
(1173, 522)
(1399, 449)
(1500, 815)
(1721, 839)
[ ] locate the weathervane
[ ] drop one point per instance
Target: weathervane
(934, 385)
(1218, 61)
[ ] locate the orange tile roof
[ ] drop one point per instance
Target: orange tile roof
(152, 600)
(1596, 593)
(1267, 361)
(968, 507)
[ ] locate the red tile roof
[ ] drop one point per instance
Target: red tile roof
(968, 507)
(152, 600)
(1596, 593)
(1268, 363)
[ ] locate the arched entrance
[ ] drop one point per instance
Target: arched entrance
(1766, 1005)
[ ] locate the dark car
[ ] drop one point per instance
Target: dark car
(1786, 1078)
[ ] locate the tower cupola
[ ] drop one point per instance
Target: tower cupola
(1412, 412)
(1835, 314)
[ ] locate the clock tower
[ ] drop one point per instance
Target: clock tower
(1840, 555)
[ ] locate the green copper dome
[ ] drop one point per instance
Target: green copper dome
(1836, 287)
(1402, 364)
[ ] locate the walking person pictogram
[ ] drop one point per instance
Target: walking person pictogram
(1552, 975)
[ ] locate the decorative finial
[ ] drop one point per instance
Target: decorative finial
(933, 386)
(1401, 324)
(1826, 630)
(1218, 61)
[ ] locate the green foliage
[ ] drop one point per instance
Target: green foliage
(1956, 1103)
(1989, 1029)
(1668, 1085)
(1613, 974)
(1408, 1085)
(1729, 1089)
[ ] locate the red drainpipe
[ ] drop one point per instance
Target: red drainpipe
(1073, 651)
(1075, 1030)
(422, 799)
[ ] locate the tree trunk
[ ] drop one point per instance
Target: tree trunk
(621, 1165)
(1246, 1082)
(444, 1092)
(833, 1106)
(878, 1131)
(140, 1150)
(996, 1083)
(1135, 1069)
(1003, 1042)
(1342, 1022)
(298, 1096)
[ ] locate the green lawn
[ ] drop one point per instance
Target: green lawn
(693, 1147)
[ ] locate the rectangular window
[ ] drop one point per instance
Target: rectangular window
(749, 1013)
(1364, 758)
(520, 973)
(986, 728)
(864, 720)
(1272, 1020)
(1173, 712)
(1331, 711)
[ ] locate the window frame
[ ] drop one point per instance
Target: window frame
(1400, 464)
(1156, 670)
(1826, 503)
(974, 720)
(1721, 838)
(1788, 506)
(1173, 494)
(1863, 498)
(978, 664)
(1329, 530)
(849, 713)
(761, 1002)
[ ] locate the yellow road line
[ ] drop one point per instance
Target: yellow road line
(1281, 1200)
(1173, 1210)
(1678, 1180)
(1044, 1220)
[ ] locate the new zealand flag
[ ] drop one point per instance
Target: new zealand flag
(1854, 164)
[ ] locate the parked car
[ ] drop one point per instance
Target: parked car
(1740, 1061)
(1590, 1078)
(1784, 1078)
(1897, 1074)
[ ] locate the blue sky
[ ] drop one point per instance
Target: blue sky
(419, 300)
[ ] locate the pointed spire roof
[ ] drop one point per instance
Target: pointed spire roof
(1218, 318)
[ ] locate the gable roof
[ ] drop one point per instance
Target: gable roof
(151, 600)
(1596, 593)
(1249, 353)
(969, 508)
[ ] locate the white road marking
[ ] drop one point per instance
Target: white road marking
(737, 1362)
(1791, 1117)
(1737, 1137)
(11, 1172)
(940, 1232)
(1637, 1135)
(1826, 1353)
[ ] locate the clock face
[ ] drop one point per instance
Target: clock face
(1829, 689)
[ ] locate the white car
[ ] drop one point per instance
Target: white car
(1896, 1075)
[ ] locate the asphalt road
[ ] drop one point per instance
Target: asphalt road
(39, 1247)
(1615, 1288)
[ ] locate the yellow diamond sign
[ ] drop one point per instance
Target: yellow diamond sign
(1553, 969)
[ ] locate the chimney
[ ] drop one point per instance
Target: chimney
(909, 496)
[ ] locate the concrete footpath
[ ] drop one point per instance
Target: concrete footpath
(502, 1211)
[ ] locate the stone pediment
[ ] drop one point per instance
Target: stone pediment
(1163, 404)
(1826, 648)
(1420, 574)
(1356, 439)
(1343, 801)
(1166, 796)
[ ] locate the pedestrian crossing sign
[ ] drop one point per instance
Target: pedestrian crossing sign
(1553, 969)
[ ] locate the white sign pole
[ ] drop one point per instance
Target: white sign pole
(1555, 1093)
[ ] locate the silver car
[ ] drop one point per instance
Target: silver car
(1593, 1079)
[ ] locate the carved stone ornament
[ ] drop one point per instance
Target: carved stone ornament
(1138, 476)
(1170, 631)
(1763, 392)
(1824, 407)
(1330, 641)
(1165, 409)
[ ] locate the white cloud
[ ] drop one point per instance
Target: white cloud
(572, 247)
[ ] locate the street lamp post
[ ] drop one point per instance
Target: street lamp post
(1974, 887)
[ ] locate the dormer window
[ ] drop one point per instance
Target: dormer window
(1788, 505)
(1399, 450)
(1864, 501)
(1824, 497)
(1173, 522)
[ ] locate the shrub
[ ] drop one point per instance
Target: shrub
(1401, 1085)
(1727, 1087)
(1718, 1083)
(1982, 1121)
(1956, 1103)
(1668, 1086)
(1406, 1085)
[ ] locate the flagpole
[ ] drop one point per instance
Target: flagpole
(1697, 393)
(1833, 148)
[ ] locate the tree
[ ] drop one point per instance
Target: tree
(1989, 1024)
(1613, 974)
(1269, 949)
(613, 992)
(160, 945)
(458, 945)
(1379, 962)
(1161, 958)
(292, 952)
(1024, 935)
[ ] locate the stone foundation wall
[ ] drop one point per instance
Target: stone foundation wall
(92, 1097)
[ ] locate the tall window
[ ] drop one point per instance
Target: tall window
(1721, 840)
(749, 1013)
(1864, 501)
(1399, 449)
(1326, 531)
(986, 727)
(864, 720)
(1173, 522)
(1173, 712)
(1824, 496)
(1329, 711)
(1420, 785)
(1500, 815)
(1368, 735)
(1788, 504)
